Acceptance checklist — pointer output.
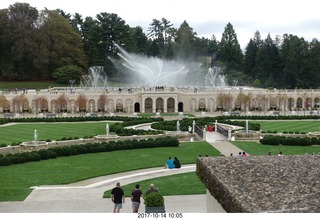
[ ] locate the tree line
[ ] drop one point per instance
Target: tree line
(55, 45)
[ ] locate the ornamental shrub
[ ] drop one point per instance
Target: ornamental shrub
(154, 199)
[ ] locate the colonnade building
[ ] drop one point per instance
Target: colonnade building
(157, 99)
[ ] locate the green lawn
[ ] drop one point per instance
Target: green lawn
(16, 180)
(188, 183)
(280, 126)
(24, 132)
(254, 148)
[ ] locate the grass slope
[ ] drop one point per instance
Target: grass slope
(281, 126)
(53, 131)
(254, 148)
(16, 180)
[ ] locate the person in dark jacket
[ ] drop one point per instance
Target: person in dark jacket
(176, 163)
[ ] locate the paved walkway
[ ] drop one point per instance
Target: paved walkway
(86, 196)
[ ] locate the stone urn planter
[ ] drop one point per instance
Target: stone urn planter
(154, 203)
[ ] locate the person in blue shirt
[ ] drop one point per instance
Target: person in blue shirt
(169, 164)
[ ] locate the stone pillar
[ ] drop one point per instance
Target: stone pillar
(154, 105)
(165, 107)
(143, 105)
(216, 126)
(175, 105)
(229, 134)
(193, 126)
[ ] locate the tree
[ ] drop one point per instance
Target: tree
(268, 63)
(62, 45)
(184, 40)
(161, 34)
(19, 41)
(229, 49)
(3, 101)
(313, 63)
(62, 103)
(102, 102)
(224, 101)
(251, 53)
(113, 29)
(82, 103)
(294, 54)
(91, 38)
(141, 40)
(66, 73)
(40, 103)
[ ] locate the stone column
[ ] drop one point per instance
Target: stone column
(154, 105)
(165, 107)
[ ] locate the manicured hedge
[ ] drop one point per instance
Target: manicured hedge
(73, 150)
(133, 120)
(201, 122)
(282, 140)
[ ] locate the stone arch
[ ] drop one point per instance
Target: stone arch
(193, 103)
(110, 106)
(128, 106)
(91, 106)
(6, 106)
(291, 104)
(256, 104)
(299, 103)
(119, 106)
(170, 105)
(316, 103)
(211, 105)
(73, 106)
(202, 105)
(159, 105)
(137, 107)
(273, 103)
(39, 104)
(180, 107)
(308, 103)
(148, 105)
(53, 106)
(237, 104)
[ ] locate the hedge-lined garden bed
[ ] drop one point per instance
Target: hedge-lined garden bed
(64, 151)
(283, 140)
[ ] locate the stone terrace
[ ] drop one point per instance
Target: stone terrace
(263, 183)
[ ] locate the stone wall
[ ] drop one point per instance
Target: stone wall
(263, 183)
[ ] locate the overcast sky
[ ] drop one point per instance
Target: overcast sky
(206, 17)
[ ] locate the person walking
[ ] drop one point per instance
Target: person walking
(117, 198)
(135, 198)
(151, 189)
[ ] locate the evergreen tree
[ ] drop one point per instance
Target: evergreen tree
(251, 53)
(268, 63)
(229, 49)
(185, 40)
(294, 53)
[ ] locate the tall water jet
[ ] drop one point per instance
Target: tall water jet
(96, 78)
(215, 78)
(152, 71)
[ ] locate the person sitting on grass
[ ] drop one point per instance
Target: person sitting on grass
(176, 163)
(169, 164)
